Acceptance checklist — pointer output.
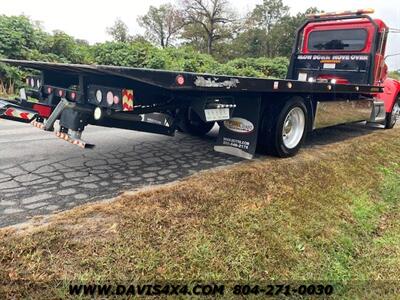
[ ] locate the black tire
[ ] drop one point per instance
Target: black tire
(391, 118)
(194, 125)
(271, 139)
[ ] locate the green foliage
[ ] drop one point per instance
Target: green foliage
(144, 55)
(395, 75)
(283, 34)
(268, 31)
(65, 47)
(47, 57)
(16, 36)
(11, 76)
(21, 38)
(189, 60)
(138, 55)
(257, 67)
(277, 67)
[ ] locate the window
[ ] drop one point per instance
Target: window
(344, 39)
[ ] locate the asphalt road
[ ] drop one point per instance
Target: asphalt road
(41, 174)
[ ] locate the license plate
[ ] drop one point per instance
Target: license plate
(219, 114)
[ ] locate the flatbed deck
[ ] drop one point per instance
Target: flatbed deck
(196, 81)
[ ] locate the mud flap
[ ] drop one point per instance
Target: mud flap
(238, 136)
(12, 111)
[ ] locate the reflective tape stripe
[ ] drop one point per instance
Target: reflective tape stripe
(127, 100)
(19, 114)
(37, 124)
(66, 137)
(9, 112)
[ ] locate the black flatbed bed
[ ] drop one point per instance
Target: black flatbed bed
(197, 81)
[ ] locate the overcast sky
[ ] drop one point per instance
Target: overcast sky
(88, 19)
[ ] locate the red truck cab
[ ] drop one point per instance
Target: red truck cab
(345, 48)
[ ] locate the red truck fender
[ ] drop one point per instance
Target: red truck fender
(391, 93)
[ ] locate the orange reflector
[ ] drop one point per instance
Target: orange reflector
(343, 13)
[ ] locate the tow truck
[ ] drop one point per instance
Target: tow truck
(337, 75)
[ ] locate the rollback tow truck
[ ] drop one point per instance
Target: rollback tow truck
(337, 75)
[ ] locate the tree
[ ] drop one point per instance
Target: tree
(285, 31)
(395, 74)
(68, 49)
(162, 24)
(18, 39)
(119, 31)
(207, 20)
(267, 14)
(269, 31)
(16, 36)
(262, 20)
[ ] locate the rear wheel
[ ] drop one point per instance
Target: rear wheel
(194, 125)
(284, 134)
(392, 117)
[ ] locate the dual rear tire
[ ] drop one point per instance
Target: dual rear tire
(284, 129)
(192, 124)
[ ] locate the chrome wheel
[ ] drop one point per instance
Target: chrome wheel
(293, 128)
(395, 113)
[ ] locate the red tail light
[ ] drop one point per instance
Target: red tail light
(180, 80)
(44, 111)
(72, 96)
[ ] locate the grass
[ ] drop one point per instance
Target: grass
(329, 215)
